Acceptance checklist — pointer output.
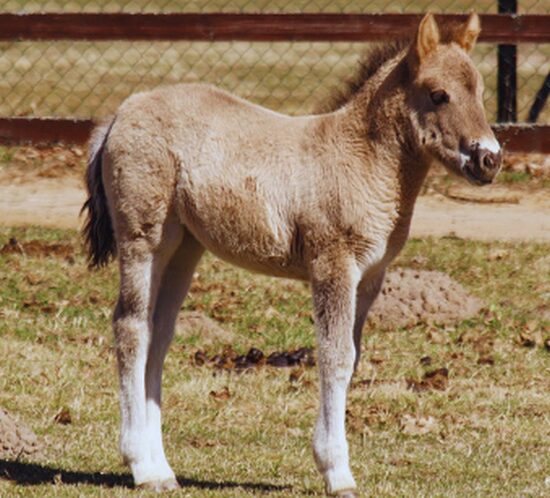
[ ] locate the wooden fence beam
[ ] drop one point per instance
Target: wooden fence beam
(509, 28)
(524, 137)
(44, 131)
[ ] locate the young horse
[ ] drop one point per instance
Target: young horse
(325, 198)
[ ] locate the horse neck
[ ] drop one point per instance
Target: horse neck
(377, 118)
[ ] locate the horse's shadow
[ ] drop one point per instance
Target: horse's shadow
(30, 474)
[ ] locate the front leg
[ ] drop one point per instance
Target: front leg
(334, 284)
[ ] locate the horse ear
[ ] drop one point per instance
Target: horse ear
(427, 37)
(467, 34)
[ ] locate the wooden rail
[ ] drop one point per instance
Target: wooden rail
(508, 28)
(44, 131)
(20, 131)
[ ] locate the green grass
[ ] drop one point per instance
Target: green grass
(491, 434)
(515, 177)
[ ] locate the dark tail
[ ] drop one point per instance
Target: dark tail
(98, 230)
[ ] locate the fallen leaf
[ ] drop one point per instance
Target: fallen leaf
(222, 394)
(200, 358)
(63, 416)
(296, 375)
(526, 339)
(486, 360)
(376, 360)
(202, 443)
(426, 360)
(433, 380)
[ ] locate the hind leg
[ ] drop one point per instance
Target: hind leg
(174, 286)
(142, 262)
(366, 294)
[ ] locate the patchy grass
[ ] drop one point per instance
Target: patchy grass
(483, 431)
(514, 177)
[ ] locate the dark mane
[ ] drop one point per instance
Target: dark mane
(373, 58)
(369, 63)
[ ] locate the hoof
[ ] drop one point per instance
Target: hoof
(159, 486)
(346, 493)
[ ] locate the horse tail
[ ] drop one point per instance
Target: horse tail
(98, 230)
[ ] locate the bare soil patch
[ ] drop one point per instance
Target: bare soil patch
(16, 439)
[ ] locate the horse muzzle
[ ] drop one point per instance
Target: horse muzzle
(482, 164)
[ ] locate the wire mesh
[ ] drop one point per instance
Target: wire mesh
(90, 79)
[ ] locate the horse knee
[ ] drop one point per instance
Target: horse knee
(131, 331)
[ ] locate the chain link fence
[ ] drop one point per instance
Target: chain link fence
(89, 79)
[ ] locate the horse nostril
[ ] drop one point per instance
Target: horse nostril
(488, 161)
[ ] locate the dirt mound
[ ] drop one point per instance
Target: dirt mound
(410, 297)
(16, 439)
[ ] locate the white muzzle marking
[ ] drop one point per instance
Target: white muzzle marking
(489, 143)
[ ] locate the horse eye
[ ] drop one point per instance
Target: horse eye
(439, 97)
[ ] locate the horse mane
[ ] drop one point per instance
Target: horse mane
(373, 59)
(369, 63)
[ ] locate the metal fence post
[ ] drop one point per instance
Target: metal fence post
(540, 100)
(507, 74)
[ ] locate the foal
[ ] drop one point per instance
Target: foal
(325, 198)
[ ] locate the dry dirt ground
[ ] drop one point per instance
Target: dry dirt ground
(44, 187)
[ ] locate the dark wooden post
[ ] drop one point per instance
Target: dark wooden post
(507, 74)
